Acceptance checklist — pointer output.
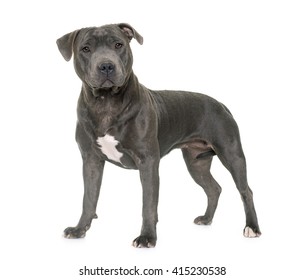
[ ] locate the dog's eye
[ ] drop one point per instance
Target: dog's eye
(86, 49)
(118, 45)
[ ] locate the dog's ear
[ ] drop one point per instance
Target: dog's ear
(65, 44)
(131, 32)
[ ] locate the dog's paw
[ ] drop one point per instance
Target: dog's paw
(75, 232)
(203, 220)
(251, 232)
(144, 242)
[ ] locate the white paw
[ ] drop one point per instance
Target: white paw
(248, 232)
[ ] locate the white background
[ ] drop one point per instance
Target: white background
(250, 55)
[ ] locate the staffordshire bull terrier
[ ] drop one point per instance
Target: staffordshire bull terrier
(123, 122)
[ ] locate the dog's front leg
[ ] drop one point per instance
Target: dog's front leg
(149, 174)
(92, 172)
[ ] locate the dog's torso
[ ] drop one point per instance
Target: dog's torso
(125, 127)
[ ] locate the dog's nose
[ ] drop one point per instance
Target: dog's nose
(106, 68)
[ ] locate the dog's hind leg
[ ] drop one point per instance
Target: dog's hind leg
(199, 168)
(232, 157)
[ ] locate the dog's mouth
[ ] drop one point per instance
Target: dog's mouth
(104, 84)
(107, 86)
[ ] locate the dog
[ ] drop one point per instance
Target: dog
(123, 122)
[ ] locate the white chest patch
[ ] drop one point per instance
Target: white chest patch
(107, 145)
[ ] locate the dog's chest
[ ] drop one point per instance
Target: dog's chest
(108, 146)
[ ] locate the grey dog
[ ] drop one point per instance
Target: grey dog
(123, 122)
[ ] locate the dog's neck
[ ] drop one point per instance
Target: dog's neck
(105, 108)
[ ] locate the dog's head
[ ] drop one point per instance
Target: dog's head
(102, 55)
